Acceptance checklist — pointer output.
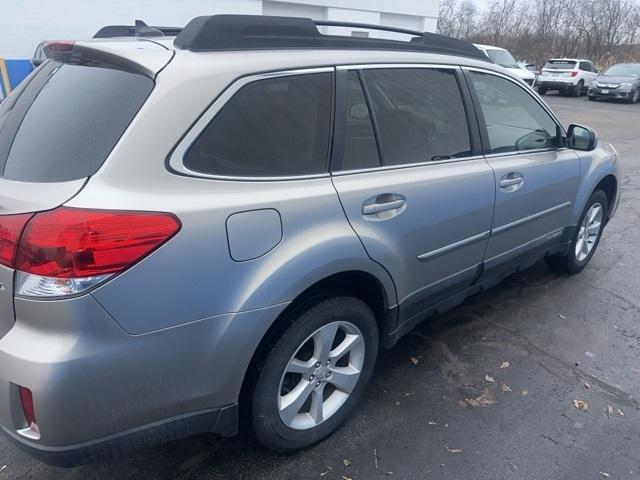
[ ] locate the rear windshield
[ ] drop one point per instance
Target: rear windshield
(65, 119)
(560, 65)
(502, 58)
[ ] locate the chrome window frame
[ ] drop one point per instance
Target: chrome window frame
(176, 158)
(528, 91)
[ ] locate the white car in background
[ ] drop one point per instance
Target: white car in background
(567, 75)
(502, 57)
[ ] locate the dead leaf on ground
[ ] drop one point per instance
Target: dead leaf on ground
(609, 411)
(581, 405)
(525, 393)
(620, 413)
(489, 378)
(561, 316)
(587, 385)
(505, 388)
(453, 450)
(505, 365)
(604, 474)
(3, 468)
(482, 400)
(322, 474)
(347, 478)
(414, 360)
(433, 423)
(346, 462)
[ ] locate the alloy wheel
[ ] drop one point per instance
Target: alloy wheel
(589, 231)
(321, 375)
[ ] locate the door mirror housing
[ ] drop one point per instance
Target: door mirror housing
(581, 138)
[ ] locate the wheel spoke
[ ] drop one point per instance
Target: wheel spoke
(579, 245)
(585, 247)
(345, 346)
(317, 404)
(291, 403)
(344, 378)
(594, 228)
(301, 367)
(323, 341)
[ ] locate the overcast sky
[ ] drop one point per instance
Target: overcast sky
(24, 23)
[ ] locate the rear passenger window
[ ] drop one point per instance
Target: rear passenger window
(515, 120)
(419, 114)
(274, 127)
(360, 148)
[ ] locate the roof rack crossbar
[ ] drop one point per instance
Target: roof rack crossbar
(257, 32)
(368, 26)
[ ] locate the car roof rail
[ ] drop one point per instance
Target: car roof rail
(257, 32)
(140, 29)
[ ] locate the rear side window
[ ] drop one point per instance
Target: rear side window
(274, 127)
(515, 121)
(66, 120)
(419, 114)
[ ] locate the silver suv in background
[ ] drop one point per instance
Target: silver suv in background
(236, 219)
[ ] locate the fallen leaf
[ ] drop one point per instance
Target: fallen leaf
(453, 450)
(561, 316)
(525, 393)
(620, 413)
(346, 462)
(581, 405)
(609, 411)
(489, 379)
(414, 360)
(322, 474)
(604, 474)
(589, 354)
(505, 388)
(433, 423)
(482, 400)
(347, 478)
(3, 468)
(587, 385)
(505, 365)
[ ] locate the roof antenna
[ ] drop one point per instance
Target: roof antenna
(144, 30)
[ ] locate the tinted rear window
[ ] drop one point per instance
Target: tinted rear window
(560, 65)
(64, 123)
(274, 127)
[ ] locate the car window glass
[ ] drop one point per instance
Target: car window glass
(273, 127)
(419, 114)
(360, 148)
(515, 120)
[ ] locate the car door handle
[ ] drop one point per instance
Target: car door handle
(383, 203)
(512, 181)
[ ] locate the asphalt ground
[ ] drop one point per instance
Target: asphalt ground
(431, 412)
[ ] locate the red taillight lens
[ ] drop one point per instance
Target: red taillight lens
(11, 227)
(26, 399)
(76, 243)
(574, 74)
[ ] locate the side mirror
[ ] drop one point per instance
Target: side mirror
(581, 138)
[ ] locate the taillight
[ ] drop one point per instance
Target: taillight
(67, 250)
(11, 227)
(574, 74)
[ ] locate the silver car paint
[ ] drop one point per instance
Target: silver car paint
(175, 333)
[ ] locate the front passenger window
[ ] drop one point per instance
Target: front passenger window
(515, 120)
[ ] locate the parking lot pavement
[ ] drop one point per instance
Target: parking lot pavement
(485, 392)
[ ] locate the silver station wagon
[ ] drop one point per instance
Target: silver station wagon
(227, 221)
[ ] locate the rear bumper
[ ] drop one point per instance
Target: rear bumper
(98, 390)
(556, 84)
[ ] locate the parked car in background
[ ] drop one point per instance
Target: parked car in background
(567, 75)
(620, 82)
(502, 57)
(297, 201)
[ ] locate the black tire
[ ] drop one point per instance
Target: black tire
(569, 263)
(593, 99)
(635, 97)
(542, 90)
(268, 427)
(577, 90)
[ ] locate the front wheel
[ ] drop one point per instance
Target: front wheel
(314, 374)
(635, 96)
(542, 90)
(586, 237)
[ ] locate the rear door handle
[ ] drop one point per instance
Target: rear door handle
(383, 203)
(512, 181)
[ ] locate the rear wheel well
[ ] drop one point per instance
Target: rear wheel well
(361, 285)
(609, 186)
